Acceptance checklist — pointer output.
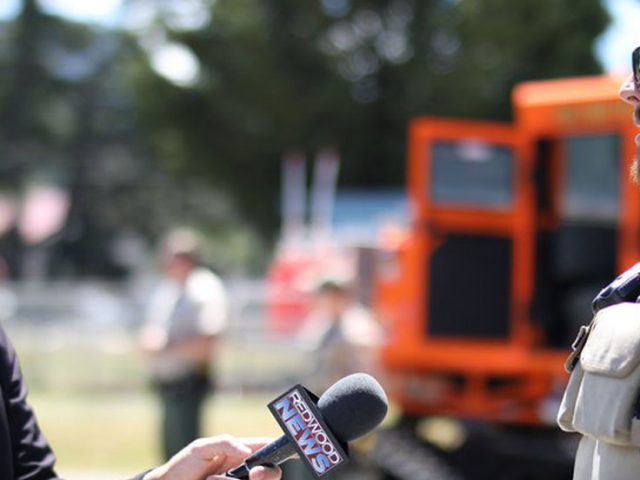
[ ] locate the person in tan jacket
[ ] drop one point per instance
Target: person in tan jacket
(602, 399)
(341, 334)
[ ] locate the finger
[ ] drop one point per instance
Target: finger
(256, 443)
(252, 444)
(221, 453)
(264, 473)
(257, 473)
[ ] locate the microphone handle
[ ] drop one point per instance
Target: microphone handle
(272, 454)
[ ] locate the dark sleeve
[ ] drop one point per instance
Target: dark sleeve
(32, 456)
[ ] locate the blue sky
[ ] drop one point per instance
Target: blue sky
(99, 11)
(613, 48)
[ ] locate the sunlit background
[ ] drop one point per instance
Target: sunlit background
(121, 119)
(612, 46)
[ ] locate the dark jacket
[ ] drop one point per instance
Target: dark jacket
(24, 452)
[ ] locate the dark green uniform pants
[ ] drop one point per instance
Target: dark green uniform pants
(182, 403)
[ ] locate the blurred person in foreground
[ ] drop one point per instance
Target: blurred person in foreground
(341, 332)
(186, 313)
(602, 399)
(26, 455)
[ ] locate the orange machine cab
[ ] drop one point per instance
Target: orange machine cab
(514, 229)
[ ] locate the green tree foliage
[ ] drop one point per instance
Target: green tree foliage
(70, 116)
(82, 106)
(278, 74)
(67, 118)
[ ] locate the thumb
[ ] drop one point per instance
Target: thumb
(257, 473)
(264, 473)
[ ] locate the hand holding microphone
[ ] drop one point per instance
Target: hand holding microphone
(209, 458)
(318, 432)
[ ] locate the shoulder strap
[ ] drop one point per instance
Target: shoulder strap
(578, 346)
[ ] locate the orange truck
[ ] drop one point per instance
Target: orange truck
(514, 230)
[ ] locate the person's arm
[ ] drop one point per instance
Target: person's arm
(32, 456)
(210, 458)
(208, 290)
(195, 349)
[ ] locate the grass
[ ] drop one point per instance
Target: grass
(89, 394)
(118, 433)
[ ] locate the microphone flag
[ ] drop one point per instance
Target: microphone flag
(297, 414)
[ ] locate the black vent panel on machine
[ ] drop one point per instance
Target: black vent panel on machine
(470, 288)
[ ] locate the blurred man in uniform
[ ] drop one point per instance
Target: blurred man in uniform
(186, 313)
(341, 332)
(602, 399)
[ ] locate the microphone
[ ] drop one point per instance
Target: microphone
(317, 430)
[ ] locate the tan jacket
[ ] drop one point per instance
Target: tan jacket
(343, 346)
(601, 398)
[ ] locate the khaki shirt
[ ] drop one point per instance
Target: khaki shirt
(179, 312)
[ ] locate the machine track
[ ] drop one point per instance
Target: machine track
(400, 457)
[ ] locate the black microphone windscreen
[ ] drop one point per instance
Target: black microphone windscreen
(353, 406)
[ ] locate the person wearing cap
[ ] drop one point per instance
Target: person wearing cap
(602, 399)
(185, 315)
(341, 332)
(340, 335)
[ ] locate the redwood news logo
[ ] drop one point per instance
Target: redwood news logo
(297, 414)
